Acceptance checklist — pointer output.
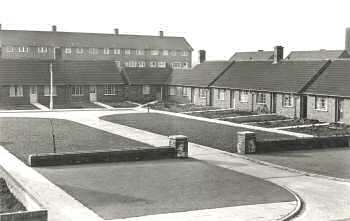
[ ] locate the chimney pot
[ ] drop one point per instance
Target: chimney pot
(116, 31)
(54, 28)
(278, 54)
(161, 33)
(202, 56)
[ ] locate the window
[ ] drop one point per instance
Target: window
(141, 64)
(173, 53)
(116, 51)
(321, 103)
(140, 52)
(10, 49)
(172, 91)
(185, 65)
(243, 96)
(176, 65)
(16, 91)
(287, 100)
(184, 53)
(106, 51)
(221, 94)
(47, 90)
(203, 93)
(161, 64)
(127, 51)
(77, 90)
(146, 89)
(186, 92)
(154, 52)
(261, 98)
(153, 64)
(42, 49)
(68, 50)
(80, 50)
(132, 64)
(179, 90)
(165, 52)
(23, 49)
(93, 51)
(117, 63)
(110, 89)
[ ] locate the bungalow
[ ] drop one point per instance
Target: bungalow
(192, 86)
(145, 84)
(328, 97)
(266, 86)
(259, 55)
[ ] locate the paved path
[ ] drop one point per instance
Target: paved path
(324, 199)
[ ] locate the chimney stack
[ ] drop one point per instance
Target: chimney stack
(202, 56)
(278, 54)
(161, 34)
(116, 31)
(54, 28)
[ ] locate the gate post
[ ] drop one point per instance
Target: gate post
(246, 142)
(180, 144)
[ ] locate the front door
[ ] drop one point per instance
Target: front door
(303, 107)
(93, 93)
(33, 94)
(273, 102)
(233, 101)
(340, 110)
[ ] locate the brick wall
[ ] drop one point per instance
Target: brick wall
(198, 100)
(61, 98)
(346, 118)
(5, 98)
(326, 116)
(134, 93)
(225, 103)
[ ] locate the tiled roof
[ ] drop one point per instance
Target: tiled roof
(77, 39)
(253, 56)
(142, 76)
(285, 76)
(335, 80)
(317, 55)
(201, 75)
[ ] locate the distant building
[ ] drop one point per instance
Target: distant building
(260, 55)
(318, 55)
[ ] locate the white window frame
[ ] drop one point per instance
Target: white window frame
(110, 89)
(141, 64)
(77, 90)
(47, 90)
(185, 65)
(318, 103)
(93, 50)
(179, 91)
(287, 100)
(176, 65)
(42, 50)
(172, 91)
(132, 64)
(106, 51)
(184, 53)
(161, 64)
(116, 51)
(187, 91)
(23, 49)
(16, 91)
(68, 50)
(79, 50)
(127, 51)
(154, 52)
(221, 94)
(146, 89)
(140, 52)
(261, 98)
(165, 52)
(203, 93)
(10, 49)
(243, 96)
(153, 64)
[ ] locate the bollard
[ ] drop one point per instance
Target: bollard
(246, 142)
(180, 143)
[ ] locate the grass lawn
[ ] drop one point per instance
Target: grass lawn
(24, 136)
(210, 134)
(122, 104)
(261, 118)
(176, 107)
(291, 122)
(330, 162)
(8, 203)
(129, 189)
(333, 129)
(222, 113)
(18, 107)
(76, 105)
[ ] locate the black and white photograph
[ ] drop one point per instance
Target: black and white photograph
(174, 110)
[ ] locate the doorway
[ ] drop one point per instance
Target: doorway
(33, 94)
(93, 93)
(303, 107)
(340, 110)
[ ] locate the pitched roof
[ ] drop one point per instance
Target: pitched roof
(285, 76)
(142, 76)
(333, 81)
(96, 40)
(317, 55)
(253, 56)
(201, 75)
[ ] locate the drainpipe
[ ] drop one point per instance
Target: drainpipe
(51, 87)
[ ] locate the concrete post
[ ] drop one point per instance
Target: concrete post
(180, 143)
(246, 142)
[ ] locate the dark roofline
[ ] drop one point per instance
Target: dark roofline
(221, 73)
(315, 77)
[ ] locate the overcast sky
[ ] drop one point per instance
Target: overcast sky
(221, 27)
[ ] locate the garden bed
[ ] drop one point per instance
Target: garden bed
(333, 129)
(122, 104)
(76, 105)
(17, 107)
(178, 108)
(260, 118)
(8, 203)
(221, 114)
(285, 123)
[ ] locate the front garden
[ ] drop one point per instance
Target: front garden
(178, 107)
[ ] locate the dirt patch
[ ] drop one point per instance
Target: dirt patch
(285, 123)
(222, 114)
(177, 107)
(333, 129)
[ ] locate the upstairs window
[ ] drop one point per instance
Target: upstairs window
(23, 49)
(106, 51)
(161, 64)
(116, 51)
(93, 51)
(132, 64)
(77, 90)
(9, 49)
(184, 53)
(165, 52)
(154, 52)
(80, 50)
(140, 52)
(110, 89)
(146, 89)
(287, 100)
(141, 64)
(68, 50)
(127, 51)
(221, 94)
(47, 90)
(243, 96)
(321, 103)
(42, 49)
(261, 98)
(16, 91)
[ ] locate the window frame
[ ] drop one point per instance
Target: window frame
(93, 51)
(8, 49)
(23, 49)
(106, 51)
(79, 50)
(187, 91)
(221, 94)
(165, 52)
(141, 64)
(140, 52)
(47, 89)
(243, 94)
(110, 90)
(154, 52)
(79, 89)
(116, 51)
(16, 91)
(203, 92)
(172, 91)
(184, 53)
(42, 50)
(146, 89)
(261, 99)
(127, 51)
(290, 100)
(68, 50)
(161, 64)
(317, 106)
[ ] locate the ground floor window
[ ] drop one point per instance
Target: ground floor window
(321, 103)
(77, 90)
(203, 93)
(172, 91)
(221, 94)
(287, 100)
(243, 96)
(110, 89)
(16, 91)
(186, 92)
(146, 89)
(47, 90)
(261, 98)
(180, 90)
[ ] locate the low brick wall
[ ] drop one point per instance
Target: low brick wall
(117, 155)
(39, 215)
(301, 143)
